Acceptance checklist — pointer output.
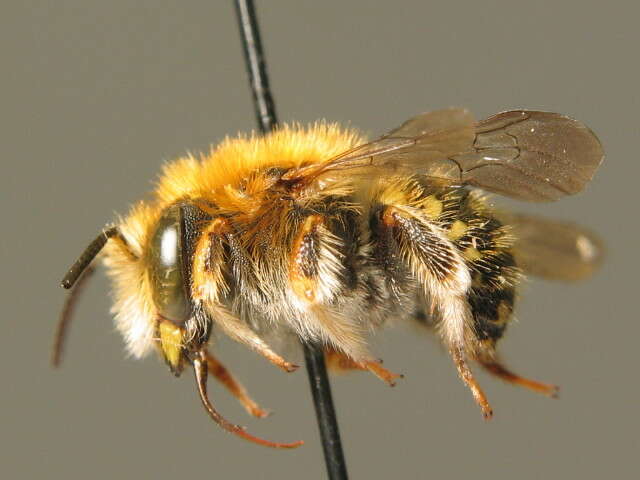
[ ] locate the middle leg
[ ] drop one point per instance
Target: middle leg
(316, 278)
(338, 361)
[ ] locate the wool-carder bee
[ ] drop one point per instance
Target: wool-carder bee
(315, 232)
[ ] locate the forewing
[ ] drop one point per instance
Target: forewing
(437, 137)
(529, 155)
(422, 144)
(553, 249)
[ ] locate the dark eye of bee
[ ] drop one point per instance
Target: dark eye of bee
(167, 272)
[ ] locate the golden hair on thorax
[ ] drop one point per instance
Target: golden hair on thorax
(313, 232)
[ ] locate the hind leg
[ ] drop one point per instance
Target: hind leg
(402, 232)
(497, 368)
(492, 308)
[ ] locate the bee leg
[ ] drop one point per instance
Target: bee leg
(225, 377)
(338, 361)
(240, 332)
(316, 278)
(208, 285)
(492, 309)
(375, 367)
(495, 367)
(467, 377)
(315, 265)
(405, 231)
(201, 369)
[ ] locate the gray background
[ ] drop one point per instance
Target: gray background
(95, 95)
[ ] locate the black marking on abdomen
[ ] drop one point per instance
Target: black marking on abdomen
(491, 309)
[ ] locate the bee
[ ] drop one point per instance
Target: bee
(315, 232)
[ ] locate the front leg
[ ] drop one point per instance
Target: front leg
(224, 376)
(240, 332)
(200, 364)
(208, 286)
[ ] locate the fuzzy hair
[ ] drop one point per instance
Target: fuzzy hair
(218, 176)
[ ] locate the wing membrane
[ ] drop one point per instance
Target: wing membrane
(535, 156)
(528, 155)
(422, 144)
(553, 249)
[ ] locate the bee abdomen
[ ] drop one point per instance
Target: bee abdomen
(492, 309)
(485, 244)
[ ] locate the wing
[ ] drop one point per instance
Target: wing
(420, 145)
(534, 156)
(553, 249)
(528, 155)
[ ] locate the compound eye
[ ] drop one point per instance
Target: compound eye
(167, 269)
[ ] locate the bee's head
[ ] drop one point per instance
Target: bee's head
(169, 260)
